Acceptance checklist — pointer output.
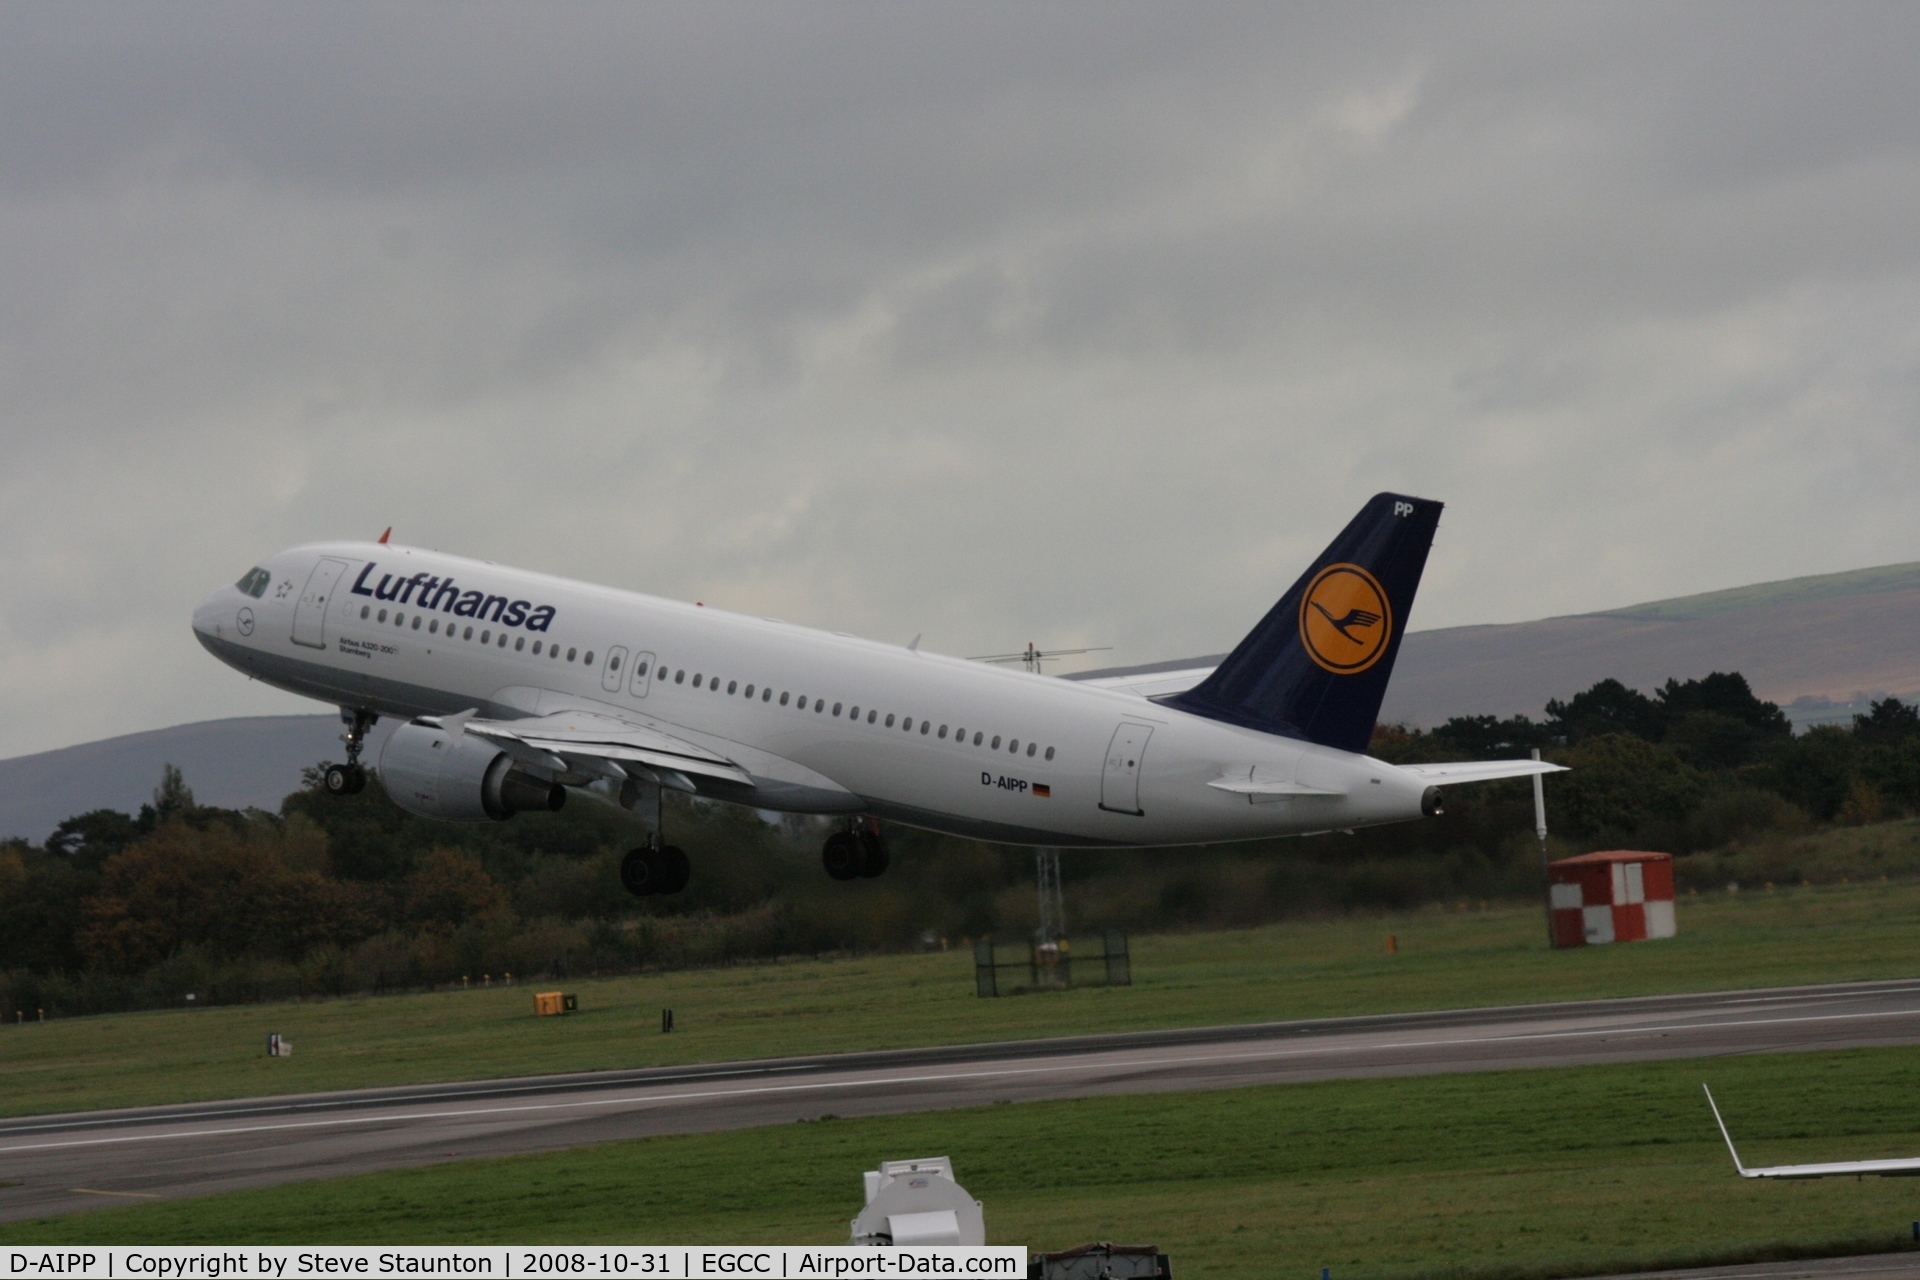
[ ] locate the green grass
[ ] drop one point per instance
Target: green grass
(1571, 1171)
(1448, 958)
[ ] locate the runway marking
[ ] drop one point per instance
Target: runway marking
(137, 1195)
(668, 1099)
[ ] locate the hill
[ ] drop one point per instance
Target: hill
(1818, 646)
(250, 761)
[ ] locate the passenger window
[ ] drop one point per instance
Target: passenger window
(553, 652)
(766, 695)
(680, 676)
(503, 641)
(613, 663)
(1031, 747)
(365, 609)
(696, 679)
(871, 715)
(819, 705)
(520, 645)
(976, 737)
(1049, 753)
(943, 732)
(639, 672)
(748, 693)
(467, 634)
(854, 714)
(783, 699)
(1014, 746)
(383, 616)
(889, 720)
(399, 619)
(589, 658)
(960, 736)
(416, 622)
(486, 637)
(907, 724)
(836, 708)
(924, 726)
(996, 742)
(731, 686)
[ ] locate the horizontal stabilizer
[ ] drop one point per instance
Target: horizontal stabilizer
(1480, 770)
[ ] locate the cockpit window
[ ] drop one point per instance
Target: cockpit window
(255, 583)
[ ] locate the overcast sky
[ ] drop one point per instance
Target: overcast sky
(1086, 324)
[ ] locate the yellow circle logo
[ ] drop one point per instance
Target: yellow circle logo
(1345, 620)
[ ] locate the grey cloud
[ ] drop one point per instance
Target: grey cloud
(1066, 322)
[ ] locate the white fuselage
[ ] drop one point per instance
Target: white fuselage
(1042, 761)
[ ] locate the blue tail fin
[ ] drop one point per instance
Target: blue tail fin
(1317, 665)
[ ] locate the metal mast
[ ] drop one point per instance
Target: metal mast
(1053, 911)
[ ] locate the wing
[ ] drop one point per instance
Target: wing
(1147, 684)
(1480, 770)
(571, 739)
(1907, 1168)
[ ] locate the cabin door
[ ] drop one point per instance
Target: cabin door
(310, 614)
(1120, 779)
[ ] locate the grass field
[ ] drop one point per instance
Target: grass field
(1571, 1171)
(1448, 958)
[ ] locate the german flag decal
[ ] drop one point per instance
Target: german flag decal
(1042, 790)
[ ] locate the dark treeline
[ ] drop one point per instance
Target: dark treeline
(330, 895)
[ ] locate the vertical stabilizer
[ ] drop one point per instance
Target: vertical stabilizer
(1317, 665)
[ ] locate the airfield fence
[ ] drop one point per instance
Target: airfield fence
(1102, 961)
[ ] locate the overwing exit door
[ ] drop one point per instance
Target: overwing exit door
(1120, 778)
(310, 613)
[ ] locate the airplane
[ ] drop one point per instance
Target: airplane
(515, 686)
(1907, 1167)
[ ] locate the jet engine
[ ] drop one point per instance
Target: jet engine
(460, 778)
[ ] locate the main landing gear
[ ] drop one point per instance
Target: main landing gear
(655, 867)
(350, 778)
(858, 851)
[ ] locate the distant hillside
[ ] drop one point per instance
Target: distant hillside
(234, 764)
(1818, 646)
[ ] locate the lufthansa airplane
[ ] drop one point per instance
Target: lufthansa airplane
(515, 686)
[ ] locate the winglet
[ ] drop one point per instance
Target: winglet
(914, 646)
(1723, 1133)
(386, 535)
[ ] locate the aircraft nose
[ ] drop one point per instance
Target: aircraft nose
(209, 617)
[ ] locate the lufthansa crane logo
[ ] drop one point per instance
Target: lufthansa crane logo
(1345, 620)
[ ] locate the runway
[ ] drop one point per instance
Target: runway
(87, 1160)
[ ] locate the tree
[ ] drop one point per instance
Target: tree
(1620, 782)
(1888, 723)
(1608, 707)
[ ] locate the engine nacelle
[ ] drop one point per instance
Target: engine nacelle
(459, 778)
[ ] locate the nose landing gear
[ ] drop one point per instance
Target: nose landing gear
(857, 852)
(350, 778)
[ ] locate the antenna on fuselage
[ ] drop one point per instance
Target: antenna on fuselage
(1033, 657)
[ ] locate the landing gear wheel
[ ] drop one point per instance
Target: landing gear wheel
(359, 779)
(339, 779)
(649, 871)
(636, 873)
(873, 854)
(674, 869)
(842, 855)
